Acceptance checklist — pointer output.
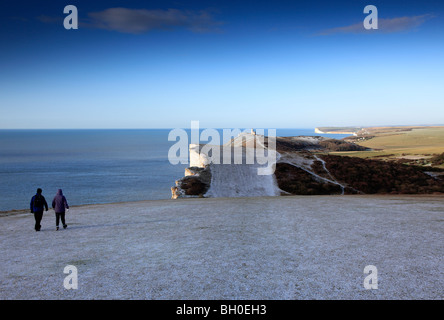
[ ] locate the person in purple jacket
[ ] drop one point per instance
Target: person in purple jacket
(60, 204)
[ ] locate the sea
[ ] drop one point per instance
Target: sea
(92, 166)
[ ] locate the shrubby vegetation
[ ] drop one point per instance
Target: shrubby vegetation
(340, 145)
(437, 160)
(284, 144)
(360, 175)
(375, 176)
(297, 181)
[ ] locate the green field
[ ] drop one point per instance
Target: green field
(418, 143)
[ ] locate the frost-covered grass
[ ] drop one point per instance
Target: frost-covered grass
(296, 247)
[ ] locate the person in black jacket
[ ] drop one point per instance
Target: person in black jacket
(38, 202)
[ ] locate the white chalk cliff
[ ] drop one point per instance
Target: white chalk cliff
(233, 168)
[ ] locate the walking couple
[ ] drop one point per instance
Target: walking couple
(38, 204)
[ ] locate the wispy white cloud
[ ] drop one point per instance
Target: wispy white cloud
(141, 20)
(391, 25)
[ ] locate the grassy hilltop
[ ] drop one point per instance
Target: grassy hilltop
(420, 145)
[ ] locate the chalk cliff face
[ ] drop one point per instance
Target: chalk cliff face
(230, 170)
(196, 182)
(297, 168)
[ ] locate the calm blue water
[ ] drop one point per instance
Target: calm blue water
(91, 166)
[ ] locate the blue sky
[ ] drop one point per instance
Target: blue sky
(270, 64)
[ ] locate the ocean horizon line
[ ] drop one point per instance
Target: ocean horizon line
(242, 127)
(78, 129)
